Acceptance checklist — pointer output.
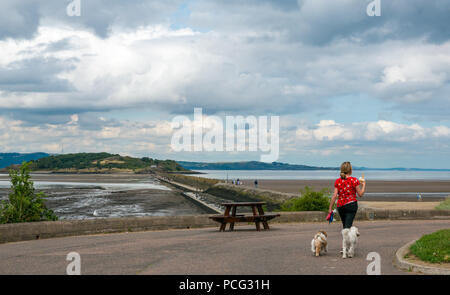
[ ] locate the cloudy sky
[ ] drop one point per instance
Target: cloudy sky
(346, 86)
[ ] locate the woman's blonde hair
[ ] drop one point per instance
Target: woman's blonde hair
(346, 169)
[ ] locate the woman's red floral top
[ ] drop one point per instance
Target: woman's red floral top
(346, 190)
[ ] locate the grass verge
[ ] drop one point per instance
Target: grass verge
(434, 248)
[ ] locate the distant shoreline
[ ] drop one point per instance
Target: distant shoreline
(373, 186)
(322, 169)
(278, 166)
(377, 190)
(330, 175)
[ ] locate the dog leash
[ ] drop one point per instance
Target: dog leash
(330, 216)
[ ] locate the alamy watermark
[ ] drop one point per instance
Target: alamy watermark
(207, 133)
(74, 8)
(374, 267)
(374, 8)
(74, 267)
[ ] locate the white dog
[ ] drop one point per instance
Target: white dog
(319, 243)
(349, 239)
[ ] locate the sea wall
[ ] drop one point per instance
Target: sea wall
(52, 229)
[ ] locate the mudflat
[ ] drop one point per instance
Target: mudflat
(88, 177)
(86, 196)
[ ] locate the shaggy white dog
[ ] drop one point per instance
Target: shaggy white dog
(349, 239)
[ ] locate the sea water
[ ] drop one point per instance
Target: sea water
(322, 174)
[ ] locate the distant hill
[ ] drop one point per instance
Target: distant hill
(251, 165)
(254, 165)
(102, 163)
(8, 159)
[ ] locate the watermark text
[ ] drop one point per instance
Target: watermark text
(236, 134)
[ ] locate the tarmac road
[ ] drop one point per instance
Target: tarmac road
(284, 249)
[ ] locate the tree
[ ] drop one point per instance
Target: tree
(24, 204)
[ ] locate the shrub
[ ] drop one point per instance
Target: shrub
(444, 205)
(309, 201)
(24, 204)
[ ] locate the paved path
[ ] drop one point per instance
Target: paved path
(185, 186)
(285, 249)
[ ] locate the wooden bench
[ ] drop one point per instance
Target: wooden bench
(257, 217)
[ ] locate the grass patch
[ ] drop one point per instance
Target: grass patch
(434, 248)
(444, 205)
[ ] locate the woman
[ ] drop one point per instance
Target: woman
(345, 189)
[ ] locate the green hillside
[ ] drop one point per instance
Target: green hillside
(102, 163)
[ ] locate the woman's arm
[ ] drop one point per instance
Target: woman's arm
(361, 189)
(333, 199)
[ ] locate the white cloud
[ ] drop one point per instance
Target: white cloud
(384, 131)
(228, 57)
(176, 70)
(440, 131)
(330, 130)
(132, 138)
(393, 74)
(391, 131)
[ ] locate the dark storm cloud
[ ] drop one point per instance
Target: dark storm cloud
(86, 120)
(18, 19)
(264, 56)
(31, 118)
(310, 21)
(100, 15)
(35, 75)
(21, 18)
(321, 21)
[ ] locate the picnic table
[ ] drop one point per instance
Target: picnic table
(257, 217)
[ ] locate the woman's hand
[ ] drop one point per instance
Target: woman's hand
(361, 189)
(329, 215)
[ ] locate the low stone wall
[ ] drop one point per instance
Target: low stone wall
(367, 214)
(52, 229)
(397, 214)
